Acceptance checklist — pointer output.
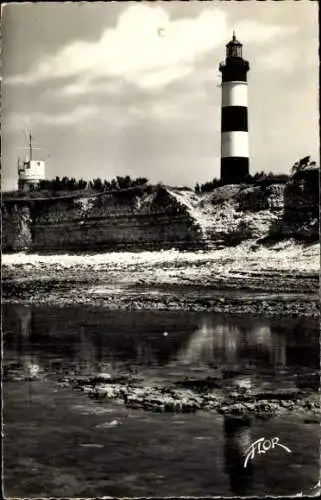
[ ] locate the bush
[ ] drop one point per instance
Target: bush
(71, 184)
(266, 179)
(161, 192)
(258, 179)
(208, 186)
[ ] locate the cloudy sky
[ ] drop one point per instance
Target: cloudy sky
(133, 88)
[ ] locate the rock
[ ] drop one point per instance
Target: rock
(250, 407)
(108, 425)
(104, 376)
(234, 409)
(278, 394)
(134, 404)
(86, 389)
(312, 420)
(91, 445)
(264, 409)
(170, 406)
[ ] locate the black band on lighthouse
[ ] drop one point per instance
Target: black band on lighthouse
(234, 118)
(234, 169)
(234, 70)
(234, 75)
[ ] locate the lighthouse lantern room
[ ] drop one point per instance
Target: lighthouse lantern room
(234, 117)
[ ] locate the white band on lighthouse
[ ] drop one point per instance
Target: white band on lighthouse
(234, 143)
(234, 94)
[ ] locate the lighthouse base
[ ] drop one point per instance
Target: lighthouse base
(234, 170)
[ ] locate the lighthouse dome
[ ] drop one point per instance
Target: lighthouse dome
(234, 47)
(234, 41)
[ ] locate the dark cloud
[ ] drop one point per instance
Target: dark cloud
(34, 31)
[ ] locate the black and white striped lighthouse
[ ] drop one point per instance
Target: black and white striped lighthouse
(234, 123)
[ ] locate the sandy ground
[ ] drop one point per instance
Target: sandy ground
(283, 279)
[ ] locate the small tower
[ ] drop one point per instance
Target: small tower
(30, 172)
(234, 121)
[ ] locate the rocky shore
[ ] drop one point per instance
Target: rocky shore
(277, 281)
(241, 404)
(219, 394)
(276, 305)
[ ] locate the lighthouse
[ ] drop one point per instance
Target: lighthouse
(234, 117)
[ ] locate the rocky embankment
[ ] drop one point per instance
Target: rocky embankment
(159, 217)
(217, 394)
(137, 218)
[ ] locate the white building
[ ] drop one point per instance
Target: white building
(30, 173)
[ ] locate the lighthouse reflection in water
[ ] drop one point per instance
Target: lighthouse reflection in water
(91, 338)
(243, 353)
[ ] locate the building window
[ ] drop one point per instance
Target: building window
(235, 51)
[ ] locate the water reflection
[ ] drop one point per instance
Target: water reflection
(30, 363)
(86, 340)
(25, 314)
(224, 343)
(237, 439)
(210, 342)
(92, 339)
